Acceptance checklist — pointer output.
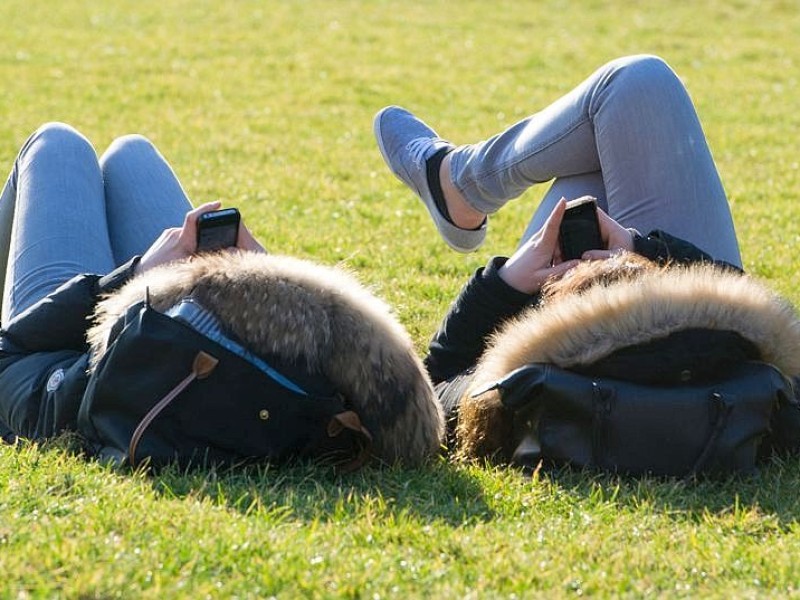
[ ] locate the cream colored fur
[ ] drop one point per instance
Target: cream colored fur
(585, 327)
(293, 308)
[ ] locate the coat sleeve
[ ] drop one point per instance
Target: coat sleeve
(59, 320)
(485, 302)
(44, 356)
(41, 392)
(661, 247)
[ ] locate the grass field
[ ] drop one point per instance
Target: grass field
(268, 106)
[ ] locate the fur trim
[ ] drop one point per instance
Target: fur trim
(583, 328)
(295, 308)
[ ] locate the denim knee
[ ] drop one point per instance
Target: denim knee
(642, 80)
(122, 149)
(59, 138)
(646, 70)
(126, 144)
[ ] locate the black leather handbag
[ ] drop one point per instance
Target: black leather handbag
(713, 428)
(165, 392)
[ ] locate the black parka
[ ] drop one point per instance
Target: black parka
(487, 301)
(44, 356)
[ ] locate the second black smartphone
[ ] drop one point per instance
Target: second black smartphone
(217, 229)
(580, 228)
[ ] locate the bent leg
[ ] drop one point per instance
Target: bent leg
(55, 194)
(633, 121)
(143, 195)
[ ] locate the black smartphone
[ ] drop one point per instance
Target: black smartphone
(217, 229)
(580, 228)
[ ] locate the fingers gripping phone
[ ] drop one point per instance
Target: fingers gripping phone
(580, 228)
(217, 229)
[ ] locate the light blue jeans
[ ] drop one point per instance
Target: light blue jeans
(64, 212)
(628, 135)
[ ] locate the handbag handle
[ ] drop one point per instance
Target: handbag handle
(202, 366)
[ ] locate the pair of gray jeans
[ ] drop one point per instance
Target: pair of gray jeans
(64, 212)
(628, 135)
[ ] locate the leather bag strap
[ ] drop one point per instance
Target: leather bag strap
(202, 366)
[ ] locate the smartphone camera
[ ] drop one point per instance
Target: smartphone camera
(217, 229)
(580, 228)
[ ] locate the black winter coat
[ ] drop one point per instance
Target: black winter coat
(486, 302)
(44, 357)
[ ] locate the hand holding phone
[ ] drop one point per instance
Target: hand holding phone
(217, 229)
(580, 228)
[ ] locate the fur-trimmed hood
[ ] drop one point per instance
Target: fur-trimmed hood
(579, 329)
(295, 308)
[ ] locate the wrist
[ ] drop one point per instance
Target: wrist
(140, 266)
(633, 233)
(516, 278)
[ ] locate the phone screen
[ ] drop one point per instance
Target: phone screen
(580, 228)
(217, 229)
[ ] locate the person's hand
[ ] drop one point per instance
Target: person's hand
(539, 258)
(176, 243)
(615, 238)
(246, 241)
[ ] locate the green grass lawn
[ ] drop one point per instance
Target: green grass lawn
(268, 106)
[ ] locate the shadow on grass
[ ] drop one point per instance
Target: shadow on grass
(457, 494)
(773, 492)
(438, 492)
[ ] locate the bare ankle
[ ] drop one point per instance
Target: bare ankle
(462, 214)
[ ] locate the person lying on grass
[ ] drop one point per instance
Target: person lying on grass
(629, 137)
(85, 239)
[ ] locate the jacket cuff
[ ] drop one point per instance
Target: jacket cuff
(118, 277)
(650, 247)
